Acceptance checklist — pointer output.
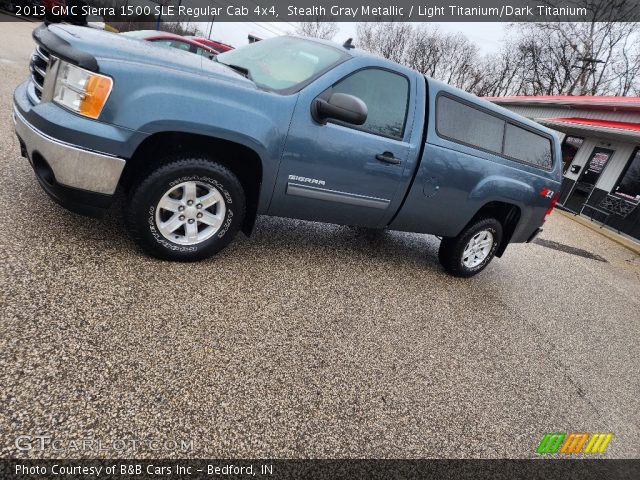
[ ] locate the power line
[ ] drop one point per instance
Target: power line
(260, 25)
(271, 23)
(274, 30)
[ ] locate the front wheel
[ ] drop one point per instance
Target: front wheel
(186, 210)
(472, 250)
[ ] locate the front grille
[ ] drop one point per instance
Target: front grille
(38, 69)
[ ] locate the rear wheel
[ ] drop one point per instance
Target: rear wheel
(188, 209)
(473, 249)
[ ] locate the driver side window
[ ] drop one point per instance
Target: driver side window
(386, 95)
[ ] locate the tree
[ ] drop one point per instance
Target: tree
(500, 72)
(449, 57)
(554, 58)
(387, 39)
(596, 57)
(627, 68)
(180, 28)
(317, 29)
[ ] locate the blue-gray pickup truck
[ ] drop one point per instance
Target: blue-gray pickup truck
(289, 126)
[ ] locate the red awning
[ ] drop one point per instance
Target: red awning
(622, 131)
(590, 122)
(607, 103)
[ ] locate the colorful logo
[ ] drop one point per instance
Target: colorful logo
(547, 192)
(573, 443)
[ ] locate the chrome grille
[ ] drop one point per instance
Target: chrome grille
(38, 69)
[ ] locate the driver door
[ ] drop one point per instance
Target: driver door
(342, 173)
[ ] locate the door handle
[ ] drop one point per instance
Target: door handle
(388, 157)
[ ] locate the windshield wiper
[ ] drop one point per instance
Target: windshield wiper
(242, 70)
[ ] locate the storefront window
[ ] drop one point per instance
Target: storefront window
(629, 184)
(570, 147)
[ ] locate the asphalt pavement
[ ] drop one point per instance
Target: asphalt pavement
(305, 340)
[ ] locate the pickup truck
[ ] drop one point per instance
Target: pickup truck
(291, 127)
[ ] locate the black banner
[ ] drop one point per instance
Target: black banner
(582, 469)
(333, 10)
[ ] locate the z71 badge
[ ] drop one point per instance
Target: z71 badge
(547, 193)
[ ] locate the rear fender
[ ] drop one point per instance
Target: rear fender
(502, 189)
(498, 193)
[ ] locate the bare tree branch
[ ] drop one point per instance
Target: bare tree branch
(320, 28)
(581, 58)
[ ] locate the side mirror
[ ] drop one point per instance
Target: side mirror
(342, 107)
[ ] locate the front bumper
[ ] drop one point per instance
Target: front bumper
(78, 161)
(79, 179)
(71, 166)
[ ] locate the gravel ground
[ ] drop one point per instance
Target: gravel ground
(305, 340)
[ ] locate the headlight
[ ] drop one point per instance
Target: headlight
(80, 90)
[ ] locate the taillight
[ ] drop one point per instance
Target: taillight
(554, 200)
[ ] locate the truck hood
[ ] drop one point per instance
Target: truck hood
(101, 44)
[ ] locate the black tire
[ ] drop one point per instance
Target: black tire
(451, 249)
(142, 205)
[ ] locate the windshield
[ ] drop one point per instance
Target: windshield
(282, 63)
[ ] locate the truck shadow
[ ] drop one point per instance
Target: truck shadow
(343, 243)
(274, 240)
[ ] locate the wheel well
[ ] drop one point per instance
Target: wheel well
(158, 148)
(507, 214)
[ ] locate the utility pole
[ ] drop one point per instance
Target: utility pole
(582, 78)
(213, 19)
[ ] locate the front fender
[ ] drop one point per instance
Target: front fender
(153, 100)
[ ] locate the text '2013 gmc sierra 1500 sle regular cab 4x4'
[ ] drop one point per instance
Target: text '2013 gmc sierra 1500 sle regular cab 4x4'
(289, 126)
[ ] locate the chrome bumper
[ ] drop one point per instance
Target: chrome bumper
(72, 166)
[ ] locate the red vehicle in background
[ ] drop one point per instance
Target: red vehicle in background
(175, 41)
(219, 46)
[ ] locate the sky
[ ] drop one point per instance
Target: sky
(487, 36)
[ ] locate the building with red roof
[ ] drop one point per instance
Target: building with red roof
(600, 153)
